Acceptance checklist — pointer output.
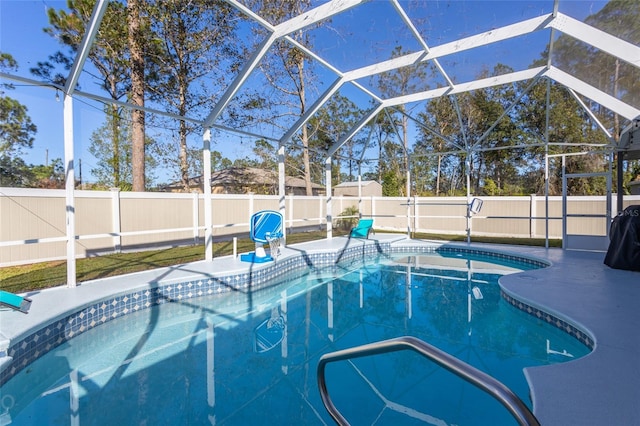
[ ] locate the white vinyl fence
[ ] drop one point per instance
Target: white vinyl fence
(32, 227)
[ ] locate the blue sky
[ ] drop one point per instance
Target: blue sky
(362, 36)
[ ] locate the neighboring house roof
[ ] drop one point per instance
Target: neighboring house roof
(351, 184)
(246, 177)
(255, 176)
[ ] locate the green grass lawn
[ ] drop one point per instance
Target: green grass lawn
(18, 279)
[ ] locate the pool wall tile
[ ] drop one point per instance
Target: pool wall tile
(565, 326)
(32, 347)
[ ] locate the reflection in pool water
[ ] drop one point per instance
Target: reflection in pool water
(250, 358)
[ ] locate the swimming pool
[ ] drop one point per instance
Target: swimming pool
(250, 357)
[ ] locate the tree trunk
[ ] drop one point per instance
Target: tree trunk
(137, 95)
(380, 142)
(405, 142)
(305, 134)
(438, 175)
(184, 161)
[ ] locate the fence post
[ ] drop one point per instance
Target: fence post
(408, 189)
(196, 216)
(290, 213)
(359, 195)
(115, 219)
(416, 216)
(532, 216)
(373, 208)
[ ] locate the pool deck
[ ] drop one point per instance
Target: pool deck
(602, 388)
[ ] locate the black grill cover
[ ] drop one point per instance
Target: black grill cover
(624, 247)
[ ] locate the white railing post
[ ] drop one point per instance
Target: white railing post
(327, 166)
(282, 189)
(408, 189)
(564, 202)
(70, 183)
(206, 186)
(115, 220)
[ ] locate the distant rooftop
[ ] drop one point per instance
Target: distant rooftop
(350, 184)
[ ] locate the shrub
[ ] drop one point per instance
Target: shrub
(347, 223)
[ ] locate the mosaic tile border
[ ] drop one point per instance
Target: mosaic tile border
(47, 338)
(52, 335)
(565, 326)
(568, 328)
(480, 252)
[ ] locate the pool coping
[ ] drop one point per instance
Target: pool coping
(600, 388)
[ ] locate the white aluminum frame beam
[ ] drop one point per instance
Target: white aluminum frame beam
(429, 129)
(311, 17)
(170, 115)
(593, 36)
(416, 97)
(397, 132)
(585, 89)
(597, 38)
(499, 80)
(552, 36)
(67, 111)
(417, 35)
(533, 73)
(313, 55)
(335, 86)
(251, 14)
(384, 66)
(315, 15)
(467, 87)
(105, 100)
(591, 114)
(489, 37)
(85, 46)
(505, 112)
(553, 21)
(355, 129)
(231, 91)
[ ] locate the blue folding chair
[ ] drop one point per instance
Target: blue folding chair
(362, 229)
(15, 302)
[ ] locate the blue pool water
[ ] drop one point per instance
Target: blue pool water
(250, 358)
